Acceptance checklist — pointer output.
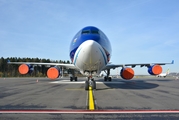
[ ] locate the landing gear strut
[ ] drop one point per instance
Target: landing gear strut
(90, 83)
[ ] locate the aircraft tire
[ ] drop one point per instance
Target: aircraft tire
(86, 85)
(76, 78)
(94, 85)
(71, 78)
(105, 78)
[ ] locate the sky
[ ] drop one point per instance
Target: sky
(140, 31)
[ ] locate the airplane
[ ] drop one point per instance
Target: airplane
(164, 74)
(90, 53)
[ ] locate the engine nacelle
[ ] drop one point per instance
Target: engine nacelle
(25, 68)
(127, 73)
(155, 70)
(53, 73)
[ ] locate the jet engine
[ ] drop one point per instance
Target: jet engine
(25, 68)
(127, 73)
(155, 70)
(53, 73)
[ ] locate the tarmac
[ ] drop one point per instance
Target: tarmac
(40, 98)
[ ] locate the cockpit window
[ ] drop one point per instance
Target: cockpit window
(94, 32)
(85, 32)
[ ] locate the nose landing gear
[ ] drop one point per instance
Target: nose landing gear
(90, 82)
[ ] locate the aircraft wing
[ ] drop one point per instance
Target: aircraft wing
(113, 66)
(69, 66)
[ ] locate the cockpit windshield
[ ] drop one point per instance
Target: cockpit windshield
(94, 32)
(85, 32)
(90, 31)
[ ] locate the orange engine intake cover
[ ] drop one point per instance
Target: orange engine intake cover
(156, 69)
(127, 73)
(23, 69)
(53, 73)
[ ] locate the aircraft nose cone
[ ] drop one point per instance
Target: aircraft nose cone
(90, 56)
(89, 43)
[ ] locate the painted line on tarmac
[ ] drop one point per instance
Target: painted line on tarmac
(74, 89)
(91, 111)
(91, 99)
(110, 83)
(66, 82)
(80, 82)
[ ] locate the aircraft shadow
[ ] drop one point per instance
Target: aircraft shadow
(134, 84)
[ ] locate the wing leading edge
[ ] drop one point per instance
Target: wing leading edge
(70, 66)
(113, 66)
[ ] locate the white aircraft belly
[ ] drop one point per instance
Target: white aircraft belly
(90, 56)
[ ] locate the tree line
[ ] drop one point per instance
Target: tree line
(11, 70)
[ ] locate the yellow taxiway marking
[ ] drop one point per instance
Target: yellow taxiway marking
(91, 99)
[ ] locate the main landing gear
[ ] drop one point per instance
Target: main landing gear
(73, 78)
(90, 83)
(107, 78)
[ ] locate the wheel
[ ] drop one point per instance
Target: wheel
(76, 78)
(71, 78)
(105, 78)
(94, 85)
(109, 78)
(86, 85)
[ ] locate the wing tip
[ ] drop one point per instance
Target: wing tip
(172, 62)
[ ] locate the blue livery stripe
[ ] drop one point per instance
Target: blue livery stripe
(77, 56)
(103, 56)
